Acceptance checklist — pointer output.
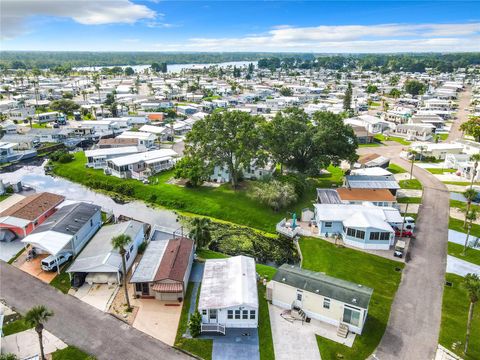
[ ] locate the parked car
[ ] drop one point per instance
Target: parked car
(51, 262)
(409, 223)
(399, 249)
(403, 233)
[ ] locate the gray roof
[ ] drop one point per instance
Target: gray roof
(328, 286)
(98, 255)
(69, 219)
(372, 182)
(328, 196)
(148, 265)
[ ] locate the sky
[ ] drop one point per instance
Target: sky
(256, 26)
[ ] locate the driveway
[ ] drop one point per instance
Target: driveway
(25, 344)
(459, 238)
(238, 344)
(462, 115)
(79, 324)
(97, 295)
(34, 268)
(158, 318)
(461, 267)
(8, 249)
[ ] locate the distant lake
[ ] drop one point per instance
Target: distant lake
(172, 68)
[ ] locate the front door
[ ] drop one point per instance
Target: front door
(351, 316)
(212, 316)
(145, 289)
(299, 298)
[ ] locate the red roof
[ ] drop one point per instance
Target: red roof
(33, 206)
(175, 260)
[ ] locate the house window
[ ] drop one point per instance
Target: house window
(299, 296)
(138, 287)
(230, 314)
(374, 236)
(328, 224)
(245, 314)
(204, 312)
(326, 303)
(127, 256)
(131, 248)
(360, 234)
(385, 236)
(252, 314)
(237, 314)
(351, 232)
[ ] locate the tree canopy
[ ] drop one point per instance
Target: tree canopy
(415, 87)
(66, 106)
(472, 127)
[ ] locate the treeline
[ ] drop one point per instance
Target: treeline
(384, 63)
(52, 59)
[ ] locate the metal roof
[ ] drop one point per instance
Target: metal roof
(99, 255)
(371, 182)
(328, 196)
(68, 219)
(147, 267)
(229, 282)
(345, 291)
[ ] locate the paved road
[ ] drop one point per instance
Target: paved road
(462, 115)
(79, 324)
(414, 323)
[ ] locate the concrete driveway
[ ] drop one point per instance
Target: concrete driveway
(158, 318)
(238, 344)
(461, 267)
(97, 295)
(33, 267)
(9, 249)
(25, 344)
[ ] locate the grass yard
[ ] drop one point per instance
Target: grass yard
(221, 203)
(198, 347)
(462, 205)
(395, 169)
(457, 224)
(62, 281)
(409, 200)
(454, 320)
(472, 255)
(437, 171)
(71, 353)
(14, 327)
(413, 184)
(381, 137)
(362, 268)
(4, 196)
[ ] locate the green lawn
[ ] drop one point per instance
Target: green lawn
(62, 281)
(395, 169)
(381, 137)
(443, 137)
(15, 327)
(409, 200)
(438, 171)
(221, 203)
(71, 353)
(362, 268)
(198, 347)
(462, 205)
(410, 184)
(454, 320)
(472, 255)
(457, 224)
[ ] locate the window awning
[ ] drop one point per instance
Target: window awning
(167, 287)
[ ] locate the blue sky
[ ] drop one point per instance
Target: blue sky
(291, 26)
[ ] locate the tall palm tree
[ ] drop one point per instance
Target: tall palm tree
(470, 195)
(200, 232)
(471, 216)
(472, 284)
(120, 243)
(36, 317)
(413, 154)
(476, 159)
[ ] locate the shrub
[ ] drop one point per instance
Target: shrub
(142, 247)
(275, 194)
(195, 324)
(66, 158)
(153, 198)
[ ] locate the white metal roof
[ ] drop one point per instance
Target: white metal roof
(112, 151)
(14, 221)
(50, 241)
(153, 129)
(373, 171)
(136, 135)
(149, 156)
(229, 282)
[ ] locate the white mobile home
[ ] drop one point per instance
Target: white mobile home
(228, 296)
(319, 296)
(98, 158)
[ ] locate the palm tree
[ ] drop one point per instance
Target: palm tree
(413, 154)
(476, 159)
(120, 242)
(471, 216)
(470, 195)
(472, 284)
(201, 232)
(36, 317)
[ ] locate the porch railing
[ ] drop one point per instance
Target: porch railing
(213, 328)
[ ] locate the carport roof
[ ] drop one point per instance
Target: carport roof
(50, 241)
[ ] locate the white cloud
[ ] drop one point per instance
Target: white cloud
(16, 13)
(346, 38)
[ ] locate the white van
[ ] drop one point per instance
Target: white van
(51, 262)
(409, 223)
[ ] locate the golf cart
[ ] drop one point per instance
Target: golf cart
(399, 249)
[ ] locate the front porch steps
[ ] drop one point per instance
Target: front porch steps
(342, 330)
